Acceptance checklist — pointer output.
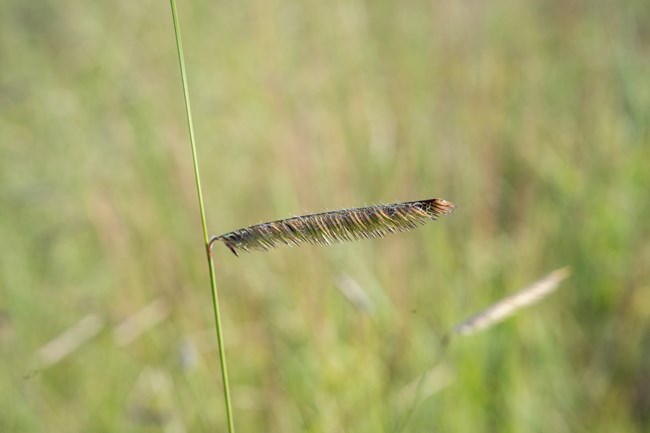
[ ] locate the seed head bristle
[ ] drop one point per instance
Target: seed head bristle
(336, 226)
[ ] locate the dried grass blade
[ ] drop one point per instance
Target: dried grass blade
(70, 340)
(336, 226)
(509, 305)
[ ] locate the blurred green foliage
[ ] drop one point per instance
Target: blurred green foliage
(533, 117)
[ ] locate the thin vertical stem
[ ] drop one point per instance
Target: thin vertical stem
(213, 283)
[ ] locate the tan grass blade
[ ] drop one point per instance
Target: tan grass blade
(133, 327)
(509, 305)
(429, 383)
(354, 293)
(70, 340)
(336, 226)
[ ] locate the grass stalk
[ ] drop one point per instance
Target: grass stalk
(206, 239)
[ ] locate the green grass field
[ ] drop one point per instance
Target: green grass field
(533, 117)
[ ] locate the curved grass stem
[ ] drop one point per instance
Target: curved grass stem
(213, 284)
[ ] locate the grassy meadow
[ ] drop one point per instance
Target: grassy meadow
(532, 116)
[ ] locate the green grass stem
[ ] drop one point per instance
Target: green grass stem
(213, 284)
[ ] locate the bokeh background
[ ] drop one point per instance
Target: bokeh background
(532, 116)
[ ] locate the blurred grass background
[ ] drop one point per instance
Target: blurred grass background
(533, 117)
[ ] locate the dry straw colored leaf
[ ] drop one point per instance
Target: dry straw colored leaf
(336, 226)
(70, 340)
(509, 305)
